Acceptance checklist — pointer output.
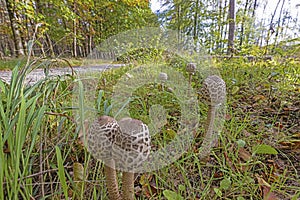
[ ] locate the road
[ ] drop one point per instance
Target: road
(38, 74)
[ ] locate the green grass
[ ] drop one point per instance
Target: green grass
(10, 63)
(40, 146)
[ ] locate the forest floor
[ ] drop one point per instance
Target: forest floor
(257, 155)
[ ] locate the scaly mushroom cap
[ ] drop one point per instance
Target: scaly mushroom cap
(163, 76)
(101, 136)
(214, 90)
(191, 68)
(132, 147)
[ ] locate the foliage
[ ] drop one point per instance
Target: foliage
(262, 111)
(70, 28)
(207, 22)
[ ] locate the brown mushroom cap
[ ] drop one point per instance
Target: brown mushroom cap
(214, 90)
(133, 147)
(191, 68)
(100, 137)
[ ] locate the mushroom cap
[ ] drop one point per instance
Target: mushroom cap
(214, 90)
(132, 148)
(127, 142)
(100, 137)
(163, 76)
(191, 68)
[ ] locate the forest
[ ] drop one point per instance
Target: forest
(139, 99)
(74, 28)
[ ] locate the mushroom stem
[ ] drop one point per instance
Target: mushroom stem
(111, 181)
(209, 133)
(190, 78)
(128, 185)
(214, 93)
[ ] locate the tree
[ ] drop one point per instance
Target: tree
(15, 25)
(231, 19)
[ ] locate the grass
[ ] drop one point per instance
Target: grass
(41, 156)
(10, 63)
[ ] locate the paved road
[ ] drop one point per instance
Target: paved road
(38, 74)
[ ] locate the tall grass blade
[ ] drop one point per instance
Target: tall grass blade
(61, 172)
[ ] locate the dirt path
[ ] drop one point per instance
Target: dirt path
(38, 74)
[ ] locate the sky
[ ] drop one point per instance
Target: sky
(294, 6)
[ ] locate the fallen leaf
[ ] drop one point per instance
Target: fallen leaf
(296, 135)
(293, 109)
(259, 97)
(268, 194)
(246, 133)
(244, 154)
(266, 189)
(6, 148)
(235, 89)
(279, 125)
(78, 174)
(228, 117)
(149, 187)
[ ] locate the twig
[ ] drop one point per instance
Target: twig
(40, 173)
(61, 115)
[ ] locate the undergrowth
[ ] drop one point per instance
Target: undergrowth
(256, 156)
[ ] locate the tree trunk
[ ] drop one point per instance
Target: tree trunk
(250, 33)
(243, 23)
(74, 32)
(90, 44)
(195, 34)
(278, 24)
(19, 51)
(271, 29)
(220, 27)
(231, 19)
(224, 28)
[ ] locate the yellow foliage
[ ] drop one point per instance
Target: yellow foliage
(137, 3)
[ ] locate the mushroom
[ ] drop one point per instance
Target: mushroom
(163, 77)
(123, 146)
(191, 69)
(100, 138)
(133, 149)
(214, 94)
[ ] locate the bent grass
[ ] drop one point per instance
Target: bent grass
(39, 144)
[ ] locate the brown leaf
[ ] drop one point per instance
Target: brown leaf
(291, 144)
(268, 109)
(228, 117)
(6, 148)
(229, 162)
(149, 187)
(268, 194)
(296, 135)
(279, 125)
(244, 154)
(259, 97)
(246, 133)
(266, 189)
(291, 109)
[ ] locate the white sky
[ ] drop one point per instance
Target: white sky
(292, 5)
(271, 5)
